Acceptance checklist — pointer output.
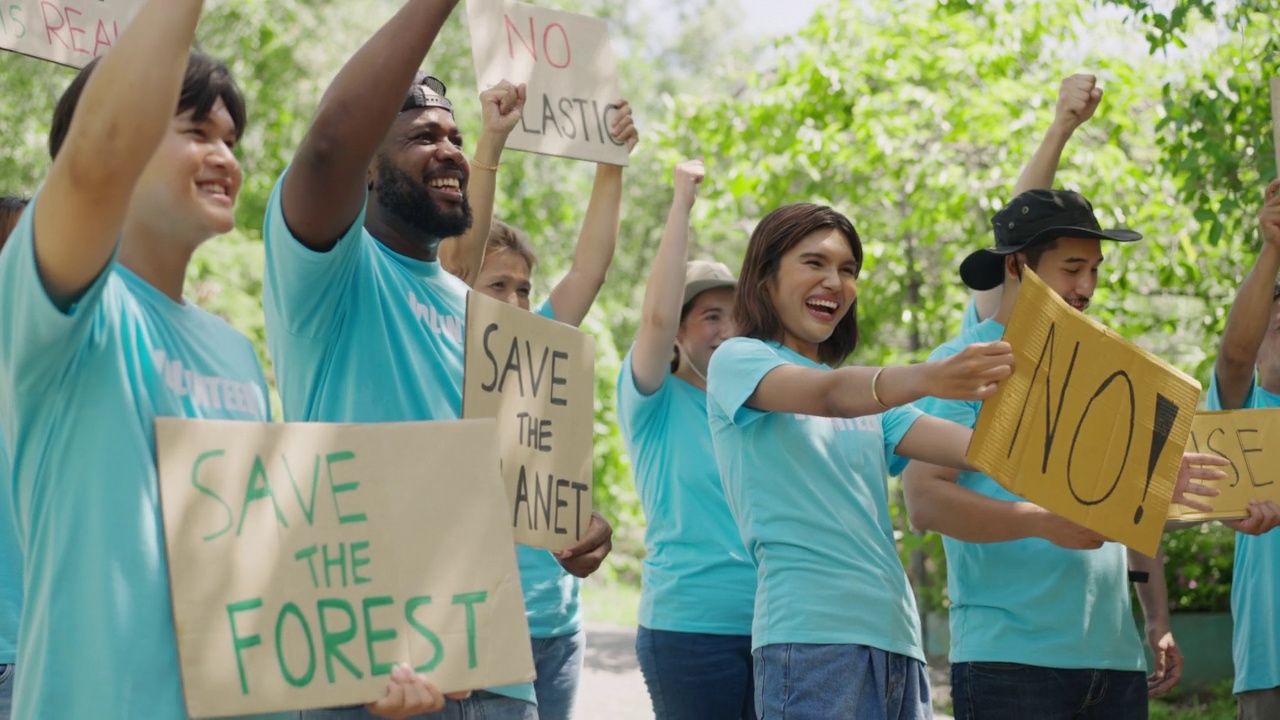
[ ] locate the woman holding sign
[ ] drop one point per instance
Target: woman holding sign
(805, 451)
(551, 583)
(694, 641)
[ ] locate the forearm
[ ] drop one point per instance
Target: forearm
(938, 442)
(328, 173)
(660, 314)
(1250, 313)
(1153, 595)
(597, 241)
(851, 393)
(1043, 167)
(937, 505)
(467, 255)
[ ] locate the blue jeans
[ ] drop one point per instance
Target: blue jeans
(6, 691)
(1007, 690)
(850, 682)
(558, 661)
(695, 676)
(480, 706)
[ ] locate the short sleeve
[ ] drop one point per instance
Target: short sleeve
(736, 370)
(304, 290)
(894, 424)
(635, 409)
(38, 338)
(545, 310)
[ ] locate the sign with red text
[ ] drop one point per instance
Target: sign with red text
(1250, 441)
(67, 32)
(537, 378)
(307, 559)
(568, 65)
(1089, 426)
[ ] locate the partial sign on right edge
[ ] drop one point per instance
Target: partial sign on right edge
(1250, 441)
(1090, 426)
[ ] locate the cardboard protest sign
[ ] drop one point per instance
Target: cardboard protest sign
(568, 65)
(307, 559)
(537, 377)
(67, 32)
(1089, 426)
(1250, 441)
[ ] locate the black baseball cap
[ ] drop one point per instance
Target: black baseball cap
(1035, 216)
(426, 91)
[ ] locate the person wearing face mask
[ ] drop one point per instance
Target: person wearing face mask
(698, 585)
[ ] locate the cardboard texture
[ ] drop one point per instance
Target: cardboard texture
(306, 559)
(1089, 426)
(568, 65)
(537, 378)
(67, 32)
(1250, 441)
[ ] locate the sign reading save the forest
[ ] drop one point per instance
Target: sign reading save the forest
(67, 32)
(1089, 426)
(537, 377)
(1250, 441)
(307, 559)
(568, 65)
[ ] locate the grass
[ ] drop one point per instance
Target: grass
(610, 603)
(1216, 704)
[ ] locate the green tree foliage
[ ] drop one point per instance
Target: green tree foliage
(912, 116)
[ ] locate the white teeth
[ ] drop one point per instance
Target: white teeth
(445, 182)
(824, 304)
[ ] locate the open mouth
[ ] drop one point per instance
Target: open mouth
(448, 187)
(824, 309)
(218, 190)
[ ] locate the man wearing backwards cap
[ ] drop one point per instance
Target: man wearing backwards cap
(362, 322)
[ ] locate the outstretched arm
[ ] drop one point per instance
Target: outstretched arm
(1078, 98)
(573, 295)
(935, 502)
(500, 109)
(660, 316)
(108, 144)
(1251, 313)
(972, 374)
(326, 185)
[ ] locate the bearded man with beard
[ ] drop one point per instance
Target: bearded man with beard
(363, 323)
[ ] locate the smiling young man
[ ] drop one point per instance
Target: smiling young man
(96, 342)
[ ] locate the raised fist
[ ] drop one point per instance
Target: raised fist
(1078, 98)
(501, 107)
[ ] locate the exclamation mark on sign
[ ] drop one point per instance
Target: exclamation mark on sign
(1166, 414)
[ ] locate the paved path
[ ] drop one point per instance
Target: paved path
(612, 688)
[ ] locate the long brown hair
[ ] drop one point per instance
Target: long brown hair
(776, 234)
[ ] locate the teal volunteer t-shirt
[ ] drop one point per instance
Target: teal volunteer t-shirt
(10, 565)
(1255, 586)
(363, 334)
(1030, 601)
(810, 497)
(82, 389)
(696, 576)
